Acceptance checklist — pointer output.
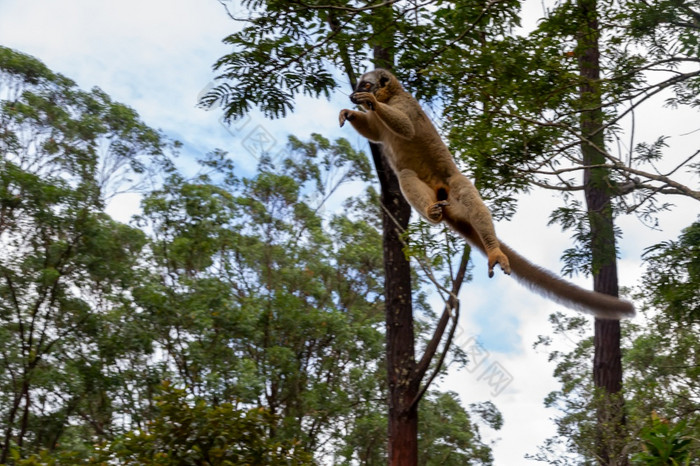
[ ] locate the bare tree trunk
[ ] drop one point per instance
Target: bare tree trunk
(402, 446)
(400, 352)
(404, 387)
(404, 374)
(607, 365)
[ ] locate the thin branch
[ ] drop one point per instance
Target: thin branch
(614, 162)
(452, 303)
(344, 8)
(678, 187)
(441, 360)
(469, 29)
(647, 94)
(567, 187)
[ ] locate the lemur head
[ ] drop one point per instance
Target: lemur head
(379, 82)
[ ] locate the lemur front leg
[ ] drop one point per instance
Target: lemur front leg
(397, 121)
(360, 122)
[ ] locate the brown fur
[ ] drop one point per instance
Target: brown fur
(432, 183)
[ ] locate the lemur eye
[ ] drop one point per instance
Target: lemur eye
(366, 85)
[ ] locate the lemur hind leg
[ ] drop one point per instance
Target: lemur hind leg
(465, 204)
(422, 197)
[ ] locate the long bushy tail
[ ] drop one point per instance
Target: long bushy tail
(551, 286)
(566, 293)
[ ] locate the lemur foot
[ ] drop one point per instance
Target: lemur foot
(496, 256)
(435, 211)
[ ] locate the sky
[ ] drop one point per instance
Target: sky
(156, 56)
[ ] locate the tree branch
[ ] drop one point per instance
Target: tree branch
(614, 162)
(344, 8)
(469, 29)
(452, 303)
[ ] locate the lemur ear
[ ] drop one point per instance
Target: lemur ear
(383, 81)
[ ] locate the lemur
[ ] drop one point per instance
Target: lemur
(434, 186)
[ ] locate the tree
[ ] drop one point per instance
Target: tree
(662, 364)
(183, 432)
(266, 301)
(261, 300)
(661, 369)
(72, 340)
(284, 50)
(600, 187)
(447, 434)
(263, 313)
(607, 358)
(550, 108)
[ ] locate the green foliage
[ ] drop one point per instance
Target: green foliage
(669, 29)
(664, 444)
(283, 51)
(273, 304)
(434, 248)
(448, 436)
(233, 288)
(266, 301)
(574, 443)
(509, 103)
(74, 344)
(661, 367)
(673, 275)
(662, 361)
(516, 108)
(266, 50)
(184, 431)
(194, 432)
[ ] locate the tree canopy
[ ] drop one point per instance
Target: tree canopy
(231, 322)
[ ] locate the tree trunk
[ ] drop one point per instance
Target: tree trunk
(402, 431)
(402, 447)
(400, 353)
(607, 366)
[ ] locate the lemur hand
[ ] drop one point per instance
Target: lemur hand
(365, 98)
(345, 115)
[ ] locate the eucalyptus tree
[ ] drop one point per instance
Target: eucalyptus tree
(661, 376)
(284, 49)
(74, 351)
(551, 108)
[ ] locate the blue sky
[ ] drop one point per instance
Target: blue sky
(156, 57)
